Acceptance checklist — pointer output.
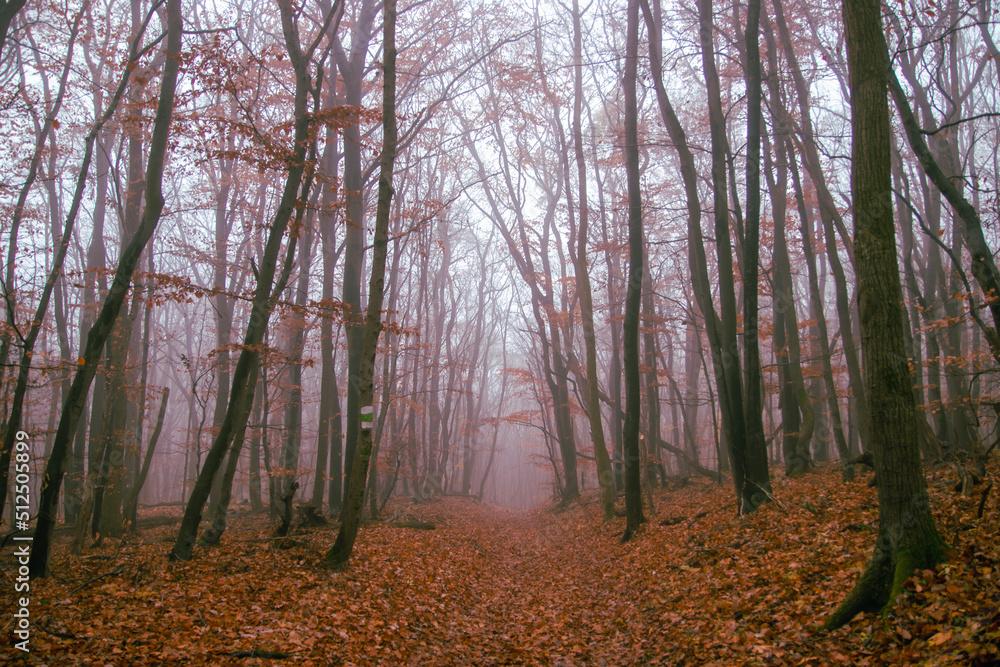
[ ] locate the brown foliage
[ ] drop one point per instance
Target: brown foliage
(497, 587)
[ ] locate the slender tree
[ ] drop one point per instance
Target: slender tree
(12, 424)
(605, 476)
(342, 547)
(758, 488)
(633, 294)
(265, 296)
(727, 352)
(98, 334)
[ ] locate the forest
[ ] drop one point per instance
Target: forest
(559, 332)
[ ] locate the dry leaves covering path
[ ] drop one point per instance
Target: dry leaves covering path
(547, 587)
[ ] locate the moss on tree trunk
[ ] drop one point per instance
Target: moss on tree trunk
(907, 538)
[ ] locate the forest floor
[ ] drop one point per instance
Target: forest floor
(552, 586)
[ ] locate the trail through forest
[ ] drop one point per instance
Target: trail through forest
(553, 586)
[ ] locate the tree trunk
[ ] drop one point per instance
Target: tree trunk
(984, 267)
(329, 405)
(8, 10)
(696, 246)
(351, 68)
(831, 219)
(726, 353)
(133, 499)
(787, 346)
(221, 508)
(633, 294)
(907, 536)
(38, 565)
(263, 299)
(654, 464)
(12, 424)
(297, 342)
(816, 301)
(605, 475)
(341, 550)
(758, 487)
(116, 438)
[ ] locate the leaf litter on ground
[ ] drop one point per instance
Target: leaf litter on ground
(550, 586)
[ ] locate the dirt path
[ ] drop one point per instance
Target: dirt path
(494, 587)
(546, 597)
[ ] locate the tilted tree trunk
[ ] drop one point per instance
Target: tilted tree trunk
(984, 267)
(263, 299)
(108, 519)
(727, 349)
(819, 314)
(98, 334)
(831, 219)
(221, 508)
(798, 417)
(96, 261)
(12, 424)
(41, 138)
(697, 260)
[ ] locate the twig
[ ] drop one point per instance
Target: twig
(419, 525)
(259, 653)
(56, 633)
(771, 497)
(982, 500)
(97, 578)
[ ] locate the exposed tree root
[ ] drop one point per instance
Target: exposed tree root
(889, 568)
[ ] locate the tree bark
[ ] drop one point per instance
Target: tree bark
(351, 68)
(605, 475)
(133, 499)
(38, 565)
(263, 299)
(8, 10)
(633, 294)
(907, 536)
(733, 416)
(758, 489)
(340, 552)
